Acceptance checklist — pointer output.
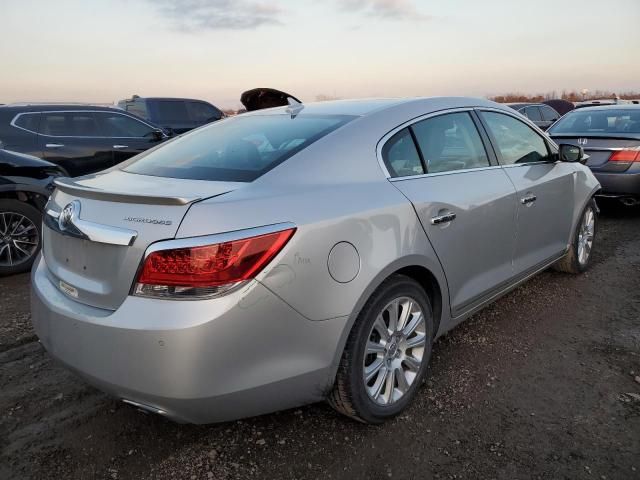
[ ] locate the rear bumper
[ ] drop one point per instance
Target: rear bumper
(619, 184)
(244, 354)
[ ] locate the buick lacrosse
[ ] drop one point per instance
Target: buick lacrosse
(302, 253)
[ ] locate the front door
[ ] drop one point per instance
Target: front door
(545, 189)
(127, 135)
(465, 202)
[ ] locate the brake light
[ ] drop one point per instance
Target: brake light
(625, 156)
(208, 270)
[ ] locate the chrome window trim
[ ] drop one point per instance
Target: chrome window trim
(190, 242)
(124, 114)
(382, 142)
(449, 172)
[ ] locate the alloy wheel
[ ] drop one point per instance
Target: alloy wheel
(395, 350)
(585, 235)
(19, 239)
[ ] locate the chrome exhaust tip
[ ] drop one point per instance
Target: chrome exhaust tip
(145, 408)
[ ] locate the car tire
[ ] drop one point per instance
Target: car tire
(352, 393)
(573, 261)
(21, 225)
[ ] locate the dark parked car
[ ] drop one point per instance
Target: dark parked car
(540, 114)
(176, 115)
(25, 185)
(81, 138)
(610, 135)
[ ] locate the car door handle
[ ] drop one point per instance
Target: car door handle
(447, 217)
(120, 146)
(54, 145)
(528, 199)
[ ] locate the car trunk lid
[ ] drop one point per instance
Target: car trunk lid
(599, 149)
(94, 257)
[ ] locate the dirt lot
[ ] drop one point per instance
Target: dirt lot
(544, 384)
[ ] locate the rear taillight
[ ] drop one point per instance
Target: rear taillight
(207, 270)
(630, 155)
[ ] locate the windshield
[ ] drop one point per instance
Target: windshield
(598, 122)
(238, 149)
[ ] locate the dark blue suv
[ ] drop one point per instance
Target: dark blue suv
(176, 115)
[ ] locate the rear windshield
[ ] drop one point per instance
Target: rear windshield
(238, 149)
(590, 122)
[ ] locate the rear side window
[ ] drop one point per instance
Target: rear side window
(69, 124)
(28, 121)
(450, 142)
(202, 112)
(533, 114)
(401, 155)
(516, 141)
(137, 107)
(239, 149)
(116, 125)
(549, 114)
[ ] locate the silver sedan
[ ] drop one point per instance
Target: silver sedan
(297, 254)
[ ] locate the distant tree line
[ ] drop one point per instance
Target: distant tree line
(571, 96)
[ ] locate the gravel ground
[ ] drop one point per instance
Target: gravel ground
(544, 384)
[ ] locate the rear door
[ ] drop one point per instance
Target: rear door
(127, 135)
(72, 139)
(465, 202)
(545, 189)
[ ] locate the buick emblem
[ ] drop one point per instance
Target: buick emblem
(582, 141)
(65, 220)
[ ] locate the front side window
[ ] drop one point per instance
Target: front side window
(601, 121)
(401, 155)
(203, 112)
(239, 149)
(450, 142)
(69, 124)
(516, 141)
(117, 125)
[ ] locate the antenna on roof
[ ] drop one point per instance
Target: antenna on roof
(294, 108)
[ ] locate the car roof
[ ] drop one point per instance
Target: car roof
(178, 99)
(368, 106)
(524, 104)
(613, 106)
(47, 107)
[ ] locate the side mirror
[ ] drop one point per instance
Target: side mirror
(158, 135)
(571, 153)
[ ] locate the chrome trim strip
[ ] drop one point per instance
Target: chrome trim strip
(124, 114)
(448, 172)
(96, 232)
(75, 189)
(190, 242)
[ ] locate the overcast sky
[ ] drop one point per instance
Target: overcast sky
(105, 50)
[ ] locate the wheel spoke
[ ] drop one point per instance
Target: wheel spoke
(372, 370)
(412, 363)
(15, 227)
(373, 347)
(394, 312)
(20, 248)
(379, 383)
(416, 341)
(4, 224)
(403, 385)
(416, 319)
(380, 327)
(391, 385)
(405, 315)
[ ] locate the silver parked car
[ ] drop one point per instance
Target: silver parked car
(303, 253)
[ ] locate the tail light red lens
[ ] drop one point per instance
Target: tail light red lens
(625, 156)
(208, 269)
